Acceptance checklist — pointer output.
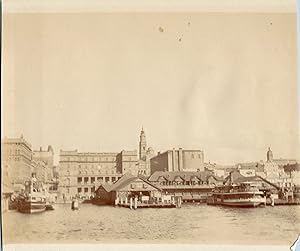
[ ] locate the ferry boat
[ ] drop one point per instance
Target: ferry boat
(245, 194)
(33, 200)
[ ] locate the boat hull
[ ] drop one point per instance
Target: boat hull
(238, 203)
(31, 207)
(242, 204)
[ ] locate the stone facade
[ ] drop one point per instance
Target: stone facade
(20, 162)
(178, 160)
(17, 159)
(42, 171)
(80, 171)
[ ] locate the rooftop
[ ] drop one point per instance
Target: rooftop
(187, 176)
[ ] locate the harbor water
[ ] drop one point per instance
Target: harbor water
(190, 224)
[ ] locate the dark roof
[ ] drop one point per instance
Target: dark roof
(237, 178)
(187, 176)
(122, 182)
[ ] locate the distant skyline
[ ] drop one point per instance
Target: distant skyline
(225, 83)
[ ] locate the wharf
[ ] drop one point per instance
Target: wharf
(144, 205)
(279, 202)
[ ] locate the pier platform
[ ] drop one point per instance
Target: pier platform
(142, 205)
(279, 202)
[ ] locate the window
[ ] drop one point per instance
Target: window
(86, 189)
(106, 179)
(192, 156)
(79, 189)
(199, 156)
(93, 189)
(79, 179)
(86, 180)
(92, 179)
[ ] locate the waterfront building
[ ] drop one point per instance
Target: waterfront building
(178, 160)
(79, 171)
(20, 161)
(128, 186)
(16, 159)
(190, 186)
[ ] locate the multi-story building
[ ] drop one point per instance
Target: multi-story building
(127, 162)
(81, 172)
(178, 160)
(16, 159)
(42, 171)
(20, 162)
(47, 157)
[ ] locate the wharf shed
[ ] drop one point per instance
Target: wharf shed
(190, 186)
(128, 186)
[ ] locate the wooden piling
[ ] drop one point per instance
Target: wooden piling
(135, 203)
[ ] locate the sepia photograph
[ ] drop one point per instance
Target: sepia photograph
(150, 122)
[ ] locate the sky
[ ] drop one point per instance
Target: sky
(225, 83)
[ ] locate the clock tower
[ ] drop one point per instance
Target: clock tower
(143, 146)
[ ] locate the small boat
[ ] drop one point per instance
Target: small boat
(33, 200)
(49, 207)
(245, 194)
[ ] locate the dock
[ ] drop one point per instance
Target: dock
(142, 205)
(280, 202)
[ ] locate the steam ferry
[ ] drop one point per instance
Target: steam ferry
(245, 194)
(33, 200)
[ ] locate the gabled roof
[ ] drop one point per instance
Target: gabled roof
(187, 176)
(122, 182)
(238, 178)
